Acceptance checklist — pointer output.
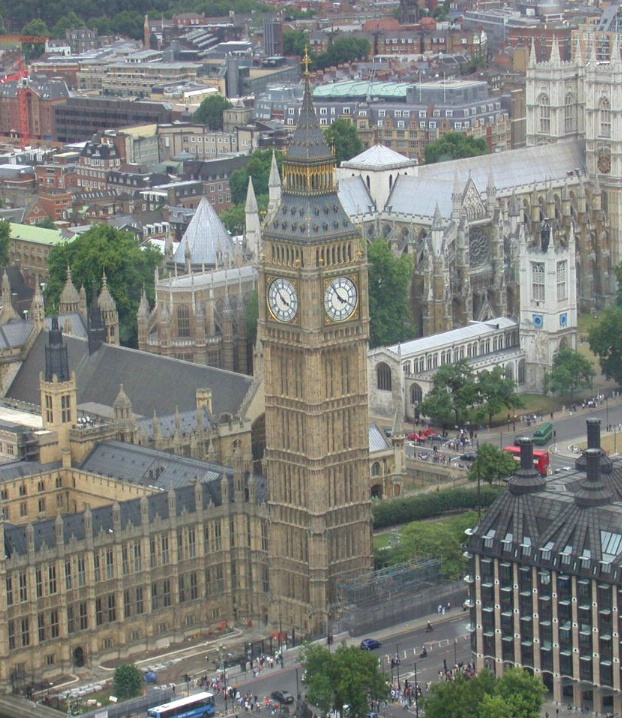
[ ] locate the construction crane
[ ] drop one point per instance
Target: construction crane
(21, 77)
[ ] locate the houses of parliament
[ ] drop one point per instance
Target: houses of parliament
(134, 514)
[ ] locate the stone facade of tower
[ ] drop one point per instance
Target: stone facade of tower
(313, 330)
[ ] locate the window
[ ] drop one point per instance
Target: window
(544, 106)
(569, 114)
(605, 117)
(71, 620)
(537, 281)
(54, 629)
(23, 587)
(68, 575)
(51, 580)
(183, 321)
(65, 403)
(81, 572)
(562, 289)
(383, 377)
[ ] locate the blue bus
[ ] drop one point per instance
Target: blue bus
(200, 705)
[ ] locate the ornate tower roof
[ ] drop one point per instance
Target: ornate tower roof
(206, 242)
(69, 297)
(105, 301)
(310, 210)
(56, 361)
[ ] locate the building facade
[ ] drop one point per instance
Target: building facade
(313, 330)
(545, 579)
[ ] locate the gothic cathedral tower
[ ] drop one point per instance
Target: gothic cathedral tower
(314, 328)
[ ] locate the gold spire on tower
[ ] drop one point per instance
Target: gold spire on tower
(306, 60)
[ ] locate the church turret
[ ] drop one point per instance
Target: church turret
(109, 312)
(58, 394)
(96, 327)
(82, 305)
(252, 234)
(37, 307)
(274, 187)
(143, 321)
(69, 297)
(8, 312)
(124, 416)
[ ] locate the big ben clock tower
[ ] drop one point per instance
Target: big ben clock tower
(314, 327)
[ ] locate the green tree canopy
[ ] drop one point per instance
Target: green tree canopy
(295, 42)
(47, 223)
(128, 23)
(69, 22)
(211, 111)
(492, 464)
(454, 145)
(5, 235)
(345, 677)
(495, 392)
(571, 372)
(605, 340)
(36, 27)
(442, 539)
(515, 695)
(344, 49)
(345, 140)
(128, 269)
(389, 282)
(453, 393)
(127, 681)
(259, 169)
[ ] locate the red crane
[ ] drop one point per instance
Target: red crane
(21, 77)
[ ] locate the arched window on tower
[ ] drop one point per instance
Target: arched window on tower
(383, 377)
(604, 112)
(183, 321)
(544, 106)
(570, 118)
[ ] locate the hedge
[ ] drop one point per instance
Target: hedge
(393, 512)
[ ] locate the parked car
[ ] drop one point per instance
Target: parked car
(413, 436)
(370, 644)
(282, 697)
(470, 456)
(436, 437)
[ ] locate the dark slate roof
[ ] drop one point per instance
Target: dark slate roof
(315, 217)
(133, 463)
(148, 379)
(15, 333)
(308, 141)
(20, 469)
(554, 528)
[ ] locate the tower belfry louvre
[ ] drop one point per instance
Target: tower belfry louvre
(314, 328)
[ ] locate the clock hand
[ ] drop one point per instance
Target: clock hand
(339, 297)
(283, 298)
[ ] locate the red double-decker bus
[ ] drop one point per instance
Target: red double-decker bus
(541, 459)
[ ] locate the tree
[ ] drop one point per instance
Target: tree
(571, 371)
(343, 49)
(128, 23)
(492, 464)
(128, 268)
(495, 392)
(442, 539)
(258, 168)
(36, 27)
(453, 393)
(460, 698)
(5, 235)
(295, 42)
(515, 695)
(69, 22)
(389, 281)
(128, 681)
(454, 145)
(46, 223)
(211, 111)
(605, 340)
(345, 140)
(345, 677)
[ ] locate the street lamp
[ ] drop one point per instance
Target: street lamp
(455, 652)
(416, 693)
(397, 663)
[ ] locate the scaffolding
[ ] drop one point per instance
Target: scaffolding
(378, 586)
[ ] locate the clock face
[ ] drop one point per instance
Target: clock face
(604, 163)
(340, 299)
(283, 300)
